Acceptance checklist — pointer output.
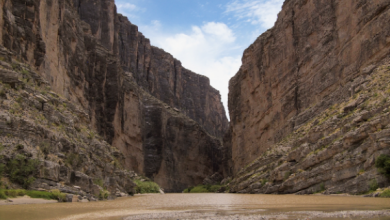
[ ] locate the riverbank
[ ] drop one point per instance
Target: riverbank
(207, 206)
(25, 200)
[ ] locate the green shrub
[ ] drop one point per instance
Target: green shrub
(199, 189)
(41, 194)
(53, 195)
(58, 195)
(322, 187)
(22, 170)
(2, 195)
(287, 175)
(1, 170)
(15, 192)
(73, 160)
(24, 72)
(45, 147)
(188, 190)
(146, 187)
(383, 164)
(373, 185)
(385, 193)
(103, 194)
(19, 147)
(98, 182)
(214, 188)
(14, 66)
(203, 189)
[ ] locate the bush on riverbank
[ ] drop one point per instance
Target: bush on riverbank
(203, 189)
(146, 187)
(13, 193)
(385, 193)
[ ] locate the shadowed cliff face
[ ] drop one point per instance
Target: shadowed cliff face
(308, 59)
(154, 70)
(91, 55)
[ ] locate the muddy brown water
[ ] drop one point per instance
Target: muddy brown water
(196, 204)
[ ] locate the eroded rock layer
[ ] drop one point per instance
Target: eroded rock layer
(93, 56)
(309, 59)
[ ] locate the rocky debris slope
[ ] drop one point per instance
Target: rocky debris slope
(310, 58)
(131, 91)
(47, 143)
(334, 152)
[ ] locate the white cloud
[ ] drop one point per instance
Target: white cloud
(127, 6)
(209, 50)
(129, 9)
(256, 12)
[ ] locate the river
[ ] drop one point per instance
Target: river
(204, 206)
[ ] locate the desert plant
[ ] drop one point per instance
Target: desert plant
(373, 185)
(385, 193)
(14, 66)
(103, 194)
(45, 147)
(322, 187)
(214, 188)
(58, 195)
(14, 192)
(98, 182)
(199, 189)
(188, 190)
(2, 195)
(287, 175)
(146, 187)
(73, 160)
(203, 189)
(19, 147)
(21, 170)
(382, 163)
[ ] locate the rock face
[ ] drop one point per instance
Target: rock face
(335, 152)
(38, 125)
(131, 90)
(309, 59)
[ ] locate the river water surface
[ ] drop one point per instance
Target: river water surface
(200, 206)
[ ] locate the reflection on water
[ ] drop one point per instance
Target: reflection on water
(225, 204)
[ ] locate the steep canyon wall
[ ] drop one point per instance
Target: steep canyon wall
(308, 60)
(165, 119)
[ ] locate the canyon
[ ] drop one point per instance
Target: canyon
(296, 101)
(309, 106)
(164, 119)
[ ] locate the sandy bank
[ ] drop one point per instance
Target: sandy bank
(25, 200)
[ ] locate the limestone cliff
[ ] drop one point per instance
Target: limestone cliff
(133, 92)
(313, 62)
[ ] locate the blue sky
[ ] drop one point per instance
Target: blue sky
(207, 36)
